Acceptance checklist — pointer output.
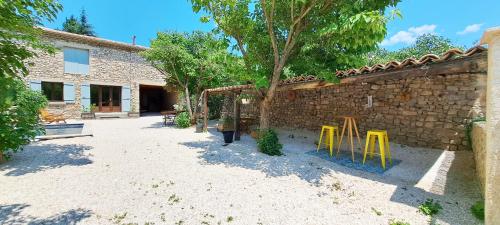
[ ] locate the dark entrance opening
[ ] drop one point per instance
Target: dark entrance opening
(155, 99)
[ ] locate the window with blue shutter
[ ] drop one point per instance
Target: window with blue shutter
(69, 93)
(54, 91)
(76, 61)
(36, 85)
(85, 97)
(126, 98)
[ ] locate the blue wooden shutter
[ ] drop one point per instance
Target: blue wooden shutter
(126, 98)
(69, 93)
(76, 61)
(85, 96)
(36, 85)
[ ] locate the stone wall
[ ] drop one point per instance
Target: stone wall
(425, 107)
(108, 66)
(479, 147)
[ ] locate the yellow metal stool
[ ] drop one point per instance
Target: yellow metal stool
(330, 133)
(383, 142)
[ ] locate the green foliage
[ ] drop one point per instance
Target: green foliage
(425, 44)
(18, 22)
(182, 120)
(268, 143)
(194, 61)
(228, 123)
(215, 106)
(19, 122)
(478, 210)
(79, 26)
(398, 222)
(468, 129)
(307, 37)
(430, 207)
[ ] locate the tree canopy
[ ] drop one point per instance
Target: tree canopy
(425, 44)
(79, 26)
(305, 36)
(193, 62)
(18, 22)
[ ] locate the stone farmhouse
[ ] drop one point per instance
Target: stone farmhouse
(108, 76)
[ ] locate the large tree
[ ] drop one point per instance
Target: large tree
(19, 41)
(193, 62)
(79, 26)
(303, 35)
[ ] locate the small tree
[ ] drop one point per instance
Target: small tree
(192, 63)
(19, 41)
(271, 34)
(79, 26)
(20, 122)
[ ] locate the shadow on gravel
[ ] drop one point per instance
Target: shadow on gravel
(12, 214)
(40, 157)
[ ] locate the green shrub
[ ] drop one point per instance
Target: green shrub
(430, 207)
(19, 121)
(268, 143)
(182, 120)
(398, 222)
(478, 210)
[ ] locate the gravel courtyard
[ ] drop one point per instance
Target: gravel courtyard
(134, 171)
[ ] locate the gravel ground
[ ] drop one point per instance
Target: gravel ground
(136, 171)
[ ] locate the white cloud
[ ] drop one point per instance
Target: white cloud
(471, 29)
(409, 36)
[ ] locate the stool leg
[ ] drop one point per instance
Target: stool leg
(351, 139)
(357, 133)
(366, 147)
(331, 142)
(388, 148)
(372, 145)
(320, 138)
(341, 136)
(382, 149)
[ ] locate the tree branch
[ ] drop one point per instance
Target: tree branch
(269, 22)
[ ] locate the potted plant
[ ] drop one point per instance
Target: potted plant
(89, 113)
(228, 129)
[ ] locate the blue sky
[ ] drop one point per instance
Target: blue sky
(463, 21)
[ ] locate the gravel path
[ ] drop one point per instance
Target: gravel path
(135, 171)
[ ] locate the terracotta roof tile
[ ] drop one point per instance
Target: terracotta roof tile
(429, 58)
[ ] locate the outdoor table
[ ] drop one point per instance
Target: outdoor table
(168, 116)
(349, 123)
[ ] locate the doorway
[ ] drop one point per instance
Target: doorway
(106, 98)
(155, 99)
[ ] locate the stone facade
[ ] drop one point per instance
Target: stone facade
(425, 107)
(107, 66)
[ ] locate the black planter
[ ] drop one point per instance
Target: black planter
(228, 136)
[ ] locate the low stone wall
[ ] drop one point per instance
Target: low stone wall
(479, 147)
(426, 106)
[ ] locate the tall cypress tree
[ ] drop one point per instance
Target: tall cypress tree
(85, 27)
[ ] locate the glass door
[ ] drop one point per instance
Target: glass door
(106, 98)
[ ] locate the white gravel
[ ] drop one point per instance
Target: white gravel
(135, 171)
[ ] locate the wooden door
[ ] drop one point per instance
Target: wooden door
(108, 98)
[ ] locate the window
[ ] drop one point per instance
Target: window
(76, 61)
(53, 91)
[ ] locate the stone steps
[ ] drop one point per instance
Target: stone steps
(111, 115)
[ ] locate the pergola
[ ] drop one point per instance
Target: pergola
(295, 83)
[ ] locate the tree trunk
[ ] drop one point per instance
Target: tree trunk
(2, 159)
(188, 101)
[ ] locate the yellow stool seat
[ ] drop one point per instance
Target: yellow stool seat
(383, 141)
(331, 131)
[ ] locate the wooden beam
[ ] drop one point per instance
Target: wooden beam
(237, 116)
(205, 111)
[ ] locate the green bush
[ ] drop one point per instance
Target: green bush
(182, 120)
(478, 210)
(430, 207)
(19, 121)
(398, 222)
(268, 143)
